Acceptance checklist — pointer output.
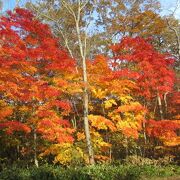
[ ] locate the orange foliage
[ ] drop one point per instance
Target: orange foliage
(165, 130)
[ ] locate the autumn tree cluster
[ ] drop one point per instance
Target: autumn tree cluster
(67, 98)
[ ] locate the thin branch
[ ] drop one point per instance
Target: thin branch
(82, 7)
(176, 34)
(69, 9)
(57, 29)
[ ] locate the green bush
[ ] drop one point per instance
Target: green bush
(160, 171)
(97, 172)
(15, 174)
(44, 172)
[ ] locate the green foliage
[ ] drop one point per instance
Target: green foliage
(141, 161)
(44, 172)
(15, 173)
(97, 172)
(160, 171)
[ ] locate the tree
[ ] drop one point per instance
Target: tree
(173, 25)
(155, 76)
(73, 22)
(129, 18)
(113, 112)
(77, 109)
(76, 22)
(29, 60)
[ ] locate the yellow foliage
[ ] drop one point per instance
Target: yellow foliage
(80, 136)
(101, 158)
(24, 108)
(114, 116)
(125, 99)
(108, 103)
(65, 153)
(177, 117)
(5, 110)
(95, 134)
(173, 142)
(98, 141)
(133, 116)
(99, 93)
(100, 122)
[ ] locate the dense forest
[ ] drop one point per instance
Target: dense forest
(89, 90)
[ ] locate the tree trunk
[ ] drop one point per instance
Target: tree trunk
(160, 107)
(35, 149)
(86, 122)
(82, 48)
(165, 104)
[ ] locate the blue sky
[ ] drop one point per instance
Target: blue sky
(8, 4)
(167, 5)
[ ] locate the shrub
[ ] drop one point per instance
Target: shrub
(96, 172)
(15, 174)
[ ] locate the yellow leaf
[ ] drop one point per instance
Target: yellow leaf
(108, 103)
(100, 122)
(80, 136)
(99, 93)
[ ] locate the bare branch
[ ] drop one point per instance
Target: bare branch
(176, 34)
(82, 7)
(69, 9)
